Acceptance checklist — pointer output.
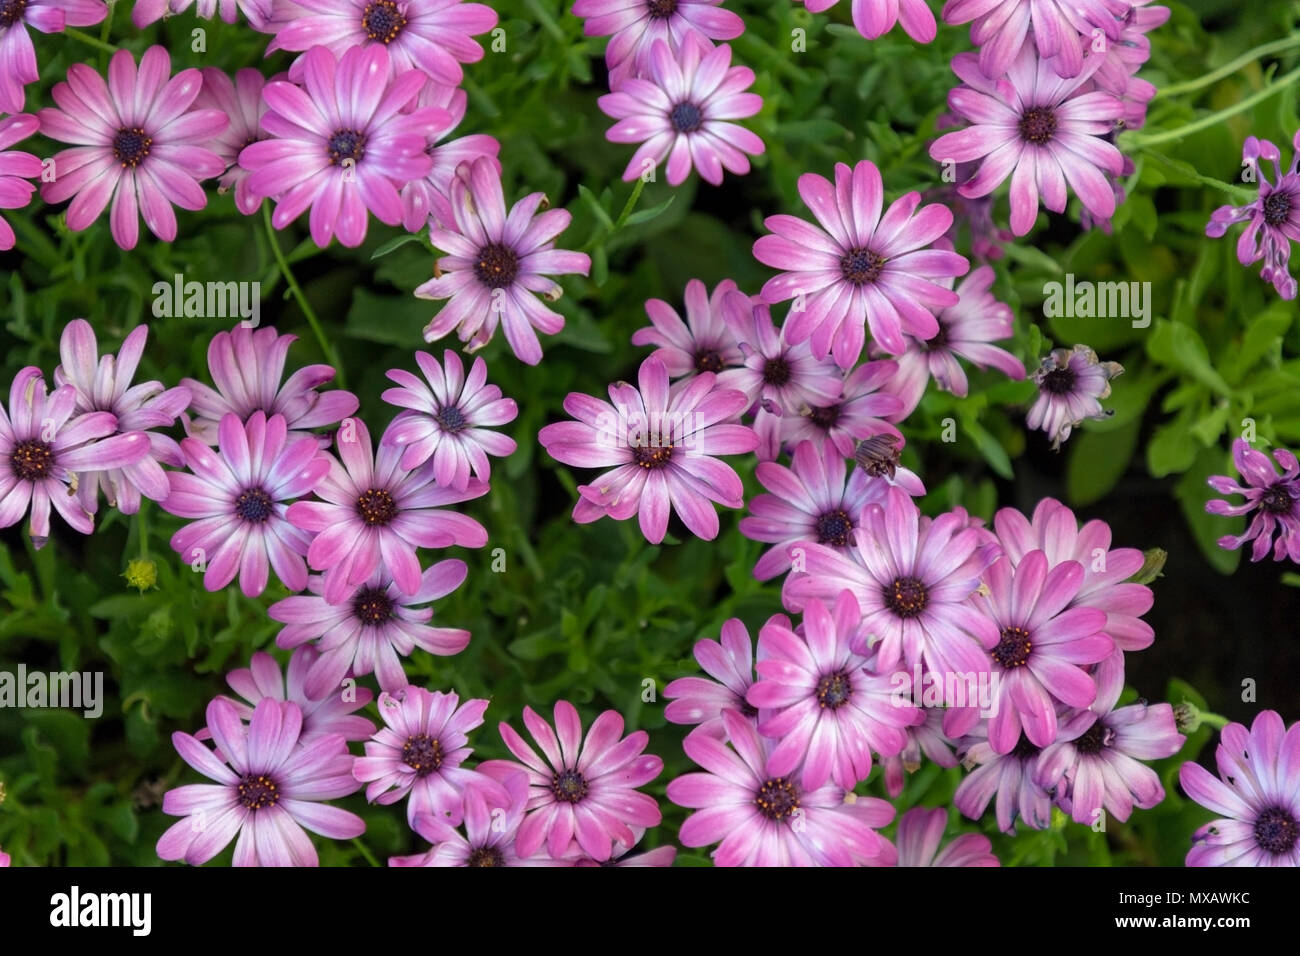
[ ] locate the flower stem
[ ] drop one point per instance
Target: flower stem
(630, 204)
(142, 528)
(1205, 122)
(87, 38)
(365, 851)
(1250, 56)
(1214, 720)
(326, 346)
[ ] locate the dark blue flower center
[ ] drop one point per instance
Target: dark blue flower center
(661, 9)
(32, 460)
(834, 527)
(569, 786)
(1024, 750)
(652, 457)
(1013, 649)
(776, 371)
(861, 266)
(834, 690)
(422, 753)
(1277, 207)
(1276, 831)
(1058, 381)
(11, 11)
(347, 144)
(708, 360)
(376, 506)
(382, 21)
(938, 342)
(686, 117)
(906, 596)
(451, 419)
(258, 792)
(497, 265)
(1277, 500)
(486, 856)
(1038, 125)
(131, 146)
(372, 606)
(824, 417)
(1092, 740)
(777, 798)
(255, 505)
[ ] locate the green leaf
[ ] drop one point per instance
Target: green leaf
(645, 215)
(1171, 451)
(1098, 460)
(1179, 346)
(395, 243)
(1192, 493)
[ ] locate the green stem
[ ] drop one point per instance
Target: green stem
(1250, 56)
(365, 851)
(325, 344)
(87, 38)
(630, 204)
(1206, 122)
(142, 527)
(1214, 720)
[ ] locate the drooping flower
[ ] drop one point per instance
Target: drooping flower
(448, 419)
(862, 412)
(682, 112)
(146, 12)
(372, 513)
(371, 629)
(583, 791)
(662, 445)
(137, 142)
(268, 788)
(1274, 498)
(44, 445)
(762, 820)
(860, 267)
(1042, 131)
(875, 18)
(1071, 384)
(18, 56)
(634, 25)
(705, 342)
(432, 37)
(246, 366)
(241, 100)
(496, 261)
(919, 833)
(430, 197)
(730, 662)
(1257, 796)
(1005, 780)
(1274, 216)
(1061, 28)
(16, 167)
(103, 384)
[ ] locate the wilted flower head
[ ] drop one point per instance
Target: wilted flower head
(1071, 384)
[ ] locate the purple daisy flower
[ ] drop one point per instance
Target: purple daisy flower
(662, 445)
(1071, 384)
(681, 113)
(1096, 759)
(761, 820)
(1274, 498)
(1128, 54)
(919, 833)
(861, 413)
(268, 789)
(828, 708)
(16, 168)
(1258, 797)
(1042, 646)
(634, 25)
(246, 366)
(1041, 130)
(449, 418)
(781, 378)
(496, 261)
(705, 342)
(430, 197)
(581, 790)
(913, 577)
(926, 738)
(373, 514)
(18, 56)
(730, 662)
(103, 384)
(44, 446)
(875, 18)
(241, 100)
(137, 142)
(146, 12)
(1060, 29)
(860, 266)
(371, 629)
(240, 496)
(1006, 780)
(432, 37)
(1274, 216)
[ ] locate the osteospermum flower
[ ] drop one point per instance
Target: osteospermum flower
(420, 752)
(860, 266)
(762, 820)
(246, 366)
(137, 142)
(730, 662)
(705, 342)
(583, 791)
(18, 56)
(432, 37)
(16, 168)
(634, 25)
(659, 856)
(268, 788)
(371, 629)
(343, 143)
(1274, 216)
(374, 513)
(875, 18)
(1257, 796)
(103, 384)
(1060, 29)
(241, 100)
(448, 419)
(919, 833)
(828, 708)
(925, 738)
(146, 12)
(1127, 55)
(1274, 498)
(43, 447)
(1005, 780)
(240, 497)
(430, 197)
(681, 112)
(1042, 131)
(496, 261)
(1096, 760)
(860, 413)
(1071, 384)
(662, 445)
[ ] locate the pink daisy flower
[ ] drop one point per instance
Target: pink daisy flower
(137, 142)
(240, 497)
(430, 197)
(875, 18)
(919, 833)
(268, 789)
(374, 513)
(1275, 499)
(45, 445)
(634, 25)
(432, 37)
(18, 56)
(1060, 29)
(370, 630)
(681, 113)
(859, 266)
(1071, 384)
(246, 366)
(581, 790)
(146, 12)
(662, 446)
(730, 662)
(862, 412)
(448, 419)
(496, 261)
(1005, 780)
(241, 100)
(1042, 131)
(341, 144)
(705, 342)
(925, 738)
(16, 168)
